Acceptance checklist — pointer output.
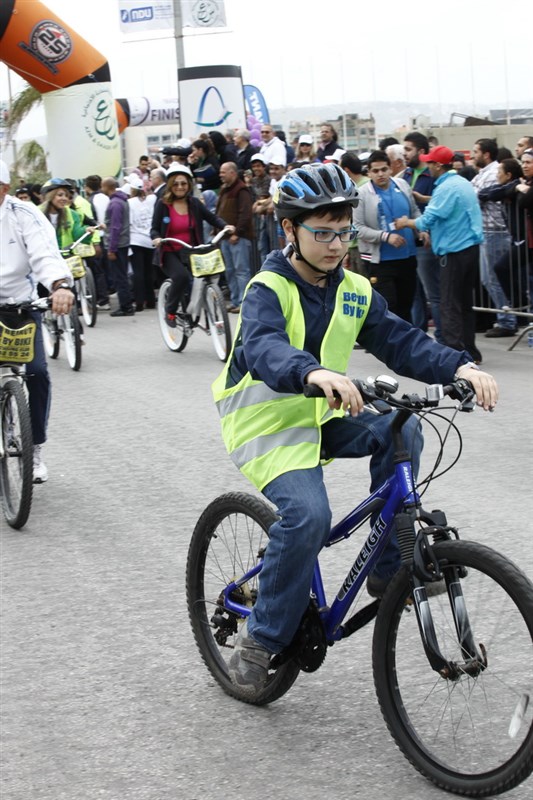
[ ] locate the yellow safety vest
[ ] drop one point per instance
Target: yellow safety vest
(268, 433)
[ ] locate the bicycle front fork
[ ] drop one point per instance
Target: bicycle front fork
(418, 556)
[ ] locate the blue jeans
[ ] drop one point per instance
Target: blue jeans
(496, 245)
(238, 261)
(428, 274)
(305, 521)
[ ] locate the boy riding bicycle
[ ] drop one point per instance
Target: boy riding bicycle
(300, 318)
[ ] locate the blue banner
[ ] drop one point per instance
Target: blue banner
(255, 104)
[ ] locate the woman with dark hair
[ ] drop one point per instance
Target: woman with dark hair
(179, 215)
(204, 164)
(224, 150)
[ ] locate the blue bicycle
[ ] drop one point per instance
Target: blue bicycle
(453, 638)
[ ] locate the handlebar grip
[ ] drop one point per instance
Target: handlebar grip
(311, 390)
(463, 391)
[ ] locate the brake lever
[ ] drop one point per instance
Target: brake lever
(378, 407)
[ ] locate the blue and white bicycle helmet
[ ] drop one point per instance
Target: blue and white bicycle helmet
(309, 188)
(56, 183)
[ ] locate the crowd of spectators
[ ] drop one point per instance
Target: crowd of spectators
(398, 219)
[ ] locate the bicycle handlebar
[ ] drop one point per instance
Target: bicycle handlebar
(73, 245)
(377, 394)
(220, 235)
(41, 304)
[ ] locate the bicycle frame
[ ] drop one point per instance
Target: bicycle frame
(395, 495)
(392, 496)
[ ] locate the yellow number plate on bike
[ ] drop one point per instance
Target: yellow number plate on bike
(16, 344)
(207, 263)
(75, 265)
(84, 250)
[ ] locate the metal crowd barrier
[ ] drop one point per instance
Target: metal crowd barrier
(514, 273)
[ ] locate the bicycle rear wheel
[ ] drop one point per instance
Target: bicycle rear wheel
(50, 335)
(217, 320)
(16, 465)
(87, 295)
(225, 544)
(72, 336)
(175, 338)
(473, 735)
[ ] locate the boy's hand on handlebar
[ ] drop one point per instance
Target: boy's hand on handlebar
(484, 385)
(156, 242)
(330, 382)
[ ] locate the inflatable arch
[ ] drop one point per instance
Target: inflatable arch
(75, 81)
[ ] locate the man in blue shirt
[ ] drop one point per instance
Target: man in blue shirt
(419, 179)
(453, 218)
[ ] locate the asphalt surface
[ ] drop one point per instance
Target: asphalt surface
(105, 696)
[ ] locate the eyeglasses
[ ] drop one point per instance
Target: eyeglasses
(326, 236)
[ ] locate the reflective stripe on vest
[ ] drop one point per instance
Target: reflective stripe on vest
(268, 433)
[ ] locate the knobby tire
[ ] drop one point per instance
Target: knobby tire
(16, 467)
(224, 545)
(458, 733)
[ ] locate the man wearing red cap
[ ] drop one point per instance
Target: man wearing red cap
(453, 218)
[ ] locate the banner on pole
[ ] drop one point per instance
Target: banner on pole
(203, 14)
(255, 103)
(137, 16)
(210, 98)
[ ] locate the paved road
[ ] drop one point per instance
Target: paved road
(104, 694)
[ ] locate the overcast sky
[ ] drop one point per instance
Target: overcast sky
(472, 53)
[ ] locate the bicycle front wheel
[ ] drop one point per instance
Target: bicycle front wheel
(217, 321)
(472, 734)
(228, 541)
(87, 295)
(50, 335)
(175, 338)
(72, 335)
(16, 464)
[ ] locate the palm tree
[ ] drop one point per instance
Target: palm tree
(30, 159)
(31, 163)
(20, 107)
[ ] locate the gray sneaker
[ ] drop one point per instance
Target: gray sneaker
(248, 666)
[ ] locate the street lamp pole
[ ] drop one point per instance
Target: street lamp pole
(178, 35)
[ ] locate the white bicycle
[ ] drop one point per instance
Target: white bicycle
(204, 307)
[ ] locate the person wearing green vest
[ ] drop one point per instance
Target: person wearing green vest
(56, 208)
(299, 320)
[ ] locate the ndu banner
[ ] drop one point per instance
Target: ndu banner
(136, 15)
(210, 98)
(146, 15)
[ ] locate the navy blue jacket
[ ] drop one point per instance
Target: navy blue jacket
(263, 347)
(424, 184)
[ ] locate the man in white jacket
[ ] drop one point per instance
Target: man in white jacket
(29, 255)
(390, 255)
